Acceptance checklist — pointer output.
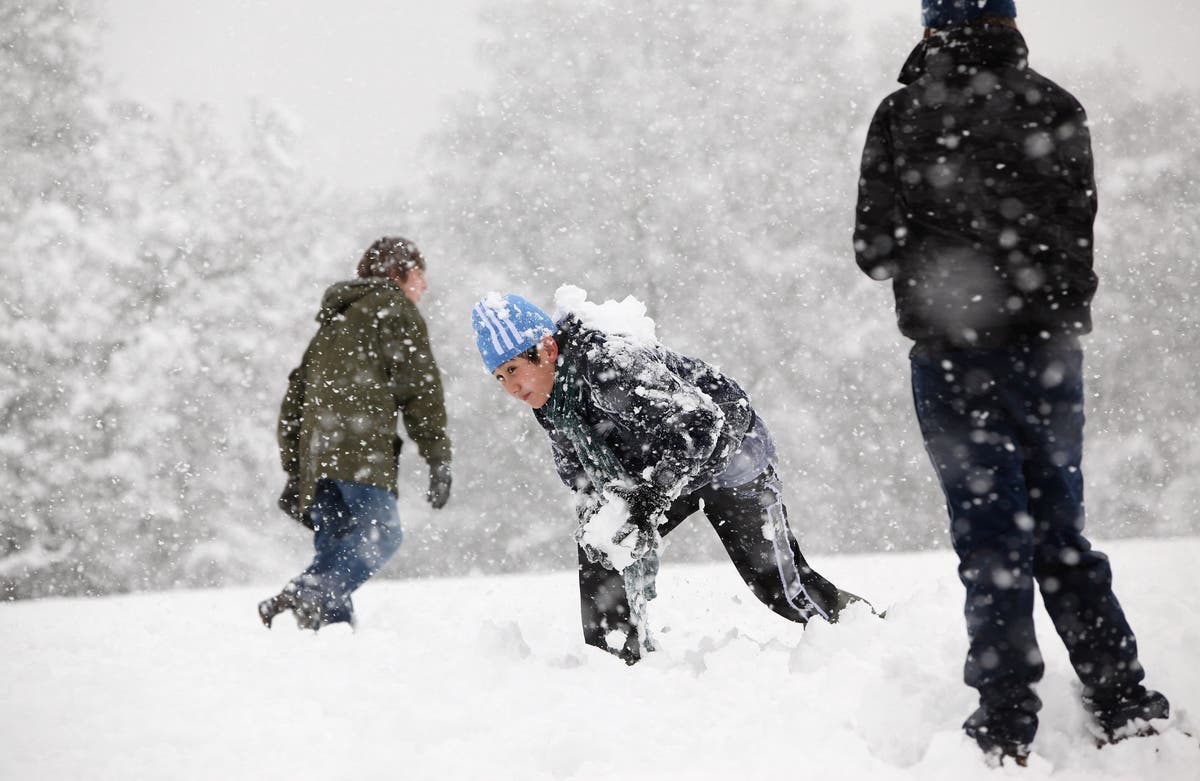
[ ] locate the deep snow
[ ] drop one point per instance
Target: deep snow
(487, 678)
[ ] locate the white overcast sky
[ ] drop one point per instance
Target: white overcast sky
(367, 78)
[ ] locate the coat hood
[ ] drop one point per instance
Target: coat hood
(341, 296)
(941, 55)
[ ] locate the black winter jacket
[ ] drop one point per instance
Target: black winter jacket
(672, 422)
(977, 196)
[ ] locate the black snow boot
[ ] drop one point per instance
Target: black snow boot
(1002, 737)
(1128, 715)
(1005, 723)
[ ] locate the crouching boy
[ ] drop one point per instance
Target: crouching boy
(643, 435)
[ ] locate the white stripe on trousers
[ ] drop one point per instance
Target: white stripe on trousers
(775, 529)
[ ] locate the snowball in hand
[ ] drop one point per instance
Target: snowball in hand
(600, 529)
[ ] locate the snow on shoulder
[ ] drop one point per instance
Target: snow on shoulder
(625, 318)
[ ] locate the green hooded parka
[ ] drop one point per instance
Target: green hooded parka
(368, 364)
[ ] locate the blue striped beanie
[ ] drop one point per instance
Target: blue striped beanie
(940, 14)
(506, 326)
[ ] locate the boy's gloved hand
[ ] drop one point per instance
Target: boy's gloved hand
(618, 537)
(439, 485)
(646, 505)
(637, 544)
(640, 536)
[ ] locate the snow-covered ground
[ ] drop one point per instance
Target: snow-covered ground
(487, 678)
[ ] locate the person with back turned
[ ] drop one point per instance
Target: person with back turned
(976, 200)
(368, 366)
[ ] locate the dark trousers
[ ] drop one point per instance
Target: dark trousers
(1004, 429)
(772, 565)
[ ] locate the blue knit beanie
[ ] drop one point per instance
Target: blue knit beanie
(940, 14)
(506, 326)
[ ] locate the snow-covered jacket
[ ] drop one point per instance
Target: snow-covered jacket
(368, 365)
(977, 195)
(659, 422)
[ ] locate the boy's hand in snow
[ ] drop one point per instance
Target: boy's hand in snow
(596, 556)
(640, 533)
(640, 537)
(631, 543)
(646, 505)
(619, 527)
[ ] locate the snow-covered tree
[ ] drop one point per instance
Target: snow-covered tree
(698, 157)
(151, 263)
(1145, 406)
(161, 280)
(56, 249)
(704, 158)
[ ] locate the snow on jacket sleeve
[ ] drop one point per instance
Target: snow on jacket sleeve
(670, 426)
(417, 384)
(878, 229)
(1077, 216)
(567, 464)
(291, 413)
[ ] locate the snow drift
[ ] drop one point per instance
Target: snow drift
(487, 678)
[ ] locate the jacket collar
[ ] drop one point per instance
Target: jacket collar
(942, 54)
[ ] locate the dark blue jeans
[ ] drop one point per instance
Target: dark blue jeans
(1004, 429)
(357, 531)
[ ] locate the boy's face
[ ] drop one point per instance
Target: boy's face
(527, 381)
(414, 285)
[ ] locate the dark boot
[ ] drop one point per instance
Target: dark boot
(1005, 723)
(1002, 736)
(845, 599)
(309, 613)
(630, 655)
(269, 608)
(1128, 715)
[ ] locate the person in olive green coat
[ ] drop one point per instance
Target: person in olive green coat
(368, 365)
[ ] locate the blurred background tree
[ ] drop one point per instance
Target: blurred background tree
(162, 280)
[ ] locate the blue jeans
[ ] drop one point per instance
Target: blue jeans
(1004, 429)
(357, 529)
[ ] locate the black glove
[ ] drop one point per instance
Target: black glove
(289, 502)
(439, 485)
(640, 536)
(646, 506)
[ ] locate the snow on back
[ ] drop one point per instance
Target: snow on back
(624, 318)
